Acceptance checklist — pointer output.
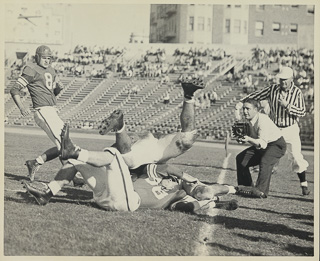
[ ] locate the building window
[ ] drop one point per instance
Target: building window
(276, 27)
(245, 26)
(191, 23)
(200, 23)
(228, 6)
(260, 7)
(227, 26)
(259, 28)
(294, 6)
(237, 6)
(310, 9)
(237, 26)
(293, 28)
(209, 24)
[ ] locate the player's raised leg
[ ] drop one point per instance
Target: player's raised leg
(152, 148)
(116, 123)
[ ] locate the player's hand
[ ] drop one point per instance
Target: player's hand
(24, 112)
(188, 178)
(282, 101)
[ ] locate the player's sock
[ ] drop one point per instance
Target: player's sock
(83, 155)
(54, 188)
(40, 160)
(189, 100)
(122, 129)
(232, 189)
(302, 178)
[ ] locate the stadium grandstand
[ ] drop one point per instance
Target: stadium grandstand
(144, 83)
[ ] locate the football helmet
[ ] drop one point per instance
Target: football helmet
(42, 50)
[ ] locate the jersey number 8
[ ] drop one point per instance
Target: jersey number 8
(48, 77)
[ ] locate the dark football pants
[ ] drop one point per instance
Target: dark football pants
(265, 158)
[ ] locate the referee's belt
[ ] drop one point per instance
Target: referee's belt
(283, 126)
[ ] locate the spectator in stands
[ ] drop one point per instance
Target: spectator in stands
(166, 99)
(213, 97)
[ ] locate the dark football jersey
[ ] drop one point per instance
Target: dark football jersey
(154, 195)
(40, 83)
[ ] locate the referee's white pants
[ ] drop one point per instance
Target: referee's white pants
(47, 119)
(292, 137)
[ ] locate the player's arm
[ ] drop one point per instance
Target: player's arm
(20, 84)
(58, 86)
(169, 170)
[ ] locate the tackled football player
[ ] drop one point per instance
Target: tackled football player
(43, 85)
(154, 185)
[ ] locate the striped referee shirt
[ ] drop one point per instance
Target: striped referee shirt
(282, 116)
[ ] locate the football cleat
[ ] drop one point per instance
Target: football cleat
(68, 149)
(247, 191)
(227, 205)
(191, 86)
(33, 166)
(41, 195)
(113, 122)
(305, 190)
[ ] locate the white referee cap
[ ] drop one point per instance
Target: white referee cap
(285, 73)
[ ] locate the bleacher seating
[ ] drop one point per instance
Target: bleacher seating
(93, 99)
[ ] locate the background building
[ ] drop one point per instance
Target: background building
(30, 25)
(233, 24)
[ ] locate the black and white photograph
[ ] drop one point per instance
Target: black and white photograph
(171, 130)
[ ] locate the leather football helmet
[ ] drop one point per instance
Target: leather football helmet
(42, 50)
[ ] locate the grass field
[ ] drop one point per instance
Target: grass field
(72, 225)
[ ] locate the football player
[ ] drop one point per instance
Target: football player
(43, 85)
(107, 174)
(143, 148)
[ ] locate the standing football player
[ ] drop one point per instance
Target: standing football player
(41, 81)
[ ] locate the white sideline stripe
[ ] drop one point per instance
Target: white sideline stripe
(207, 230)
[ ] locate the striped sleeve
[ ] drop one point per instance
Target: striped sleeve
(264, 94)
(297, 105)
(20, 84)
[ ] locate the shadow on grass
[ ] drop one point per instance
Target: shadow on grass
(261, 227)
(256, 239)
(231, 249)
(304, 199)
(25, 197)
(306, 251)
(16, 177)
(292, 215)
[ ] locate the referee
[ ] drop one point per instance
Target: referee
(286, 106)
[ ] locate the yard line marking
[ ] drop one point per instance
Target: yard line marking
(207, 230)
(224, 170)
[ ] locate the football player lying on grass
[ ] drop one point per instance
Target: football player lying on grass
(151, 186)
(132, 152)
